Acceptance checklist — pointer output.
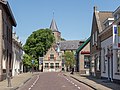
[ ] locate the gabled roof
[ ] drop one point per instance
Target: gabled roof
(51, 50)
(101, 16)
(83, 45)
(9, 11)
(53, 25)
(116, 11)
(70, 45)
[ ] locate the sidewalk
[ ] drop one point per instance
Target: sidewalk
(17, 81)
(96, 84)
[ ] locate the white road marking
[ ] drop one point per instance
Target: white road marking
(71, 82)
(78, 87)
(34, 82)
(31, 85)
(75, 85)
(63, 86)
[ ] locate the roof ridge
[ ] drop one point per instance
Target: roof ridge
(106, 11)
(72, 40)
(83, 45)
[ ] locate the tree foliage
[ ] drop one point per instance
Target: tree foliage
(62, 39)
(69, 58)
(38, 43)
(26, 60)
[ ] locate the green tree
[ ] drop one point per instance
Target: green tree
(62, 39)
(26, 60)
(38, 43)
(69, 59)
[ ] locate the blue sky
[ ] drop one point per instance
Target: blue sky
(73, 17)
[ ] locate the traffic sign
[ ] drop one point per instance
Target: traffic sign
(33, 61)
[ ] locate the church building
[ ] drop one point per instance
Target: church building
(52, 61)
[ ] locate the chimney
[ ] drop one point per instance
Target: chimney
(95, 8)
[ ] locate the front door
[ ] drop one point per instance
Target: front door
(52, 68)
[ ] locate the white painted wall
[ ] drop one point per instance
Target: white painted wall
(115, 66)
(17, 56)
(54, 69)
(105, 44)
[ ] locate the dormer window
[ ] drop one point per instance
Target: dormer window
(117, 16)
(116, 13)
(108, 22)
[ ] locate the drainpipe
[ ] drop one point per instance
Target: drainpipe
(111, 66)
(108, 68)
(77, 62)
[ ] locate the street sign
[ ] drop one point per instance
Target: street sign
(40, 60)
(33, 61)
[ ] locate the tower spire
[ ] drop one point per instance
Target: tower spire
(53, 14)
(53, 25)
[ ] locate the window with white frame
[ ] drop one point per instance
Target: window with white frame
(46, 65)
(104, 64)
(86, 61)
(57, 65)
(118, 61)
(51, 65)
(52, 56)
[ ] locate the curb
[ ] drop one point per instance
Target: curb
(21, 84)
(82, 82)
(24, 82)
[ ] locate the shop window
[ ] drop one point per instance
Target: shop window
(57, 65)
(46, 65)
(51, 65)
(86, 61)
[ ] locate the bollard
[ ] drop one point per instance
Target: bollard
(9, 80)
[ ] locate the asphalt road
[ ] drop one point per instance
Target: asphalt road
(53, 81)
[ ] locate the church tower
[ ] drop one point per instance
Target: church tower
(55, 31)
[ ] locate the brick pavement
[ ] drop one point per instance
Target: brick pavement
(17, 81)
(97, 84)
